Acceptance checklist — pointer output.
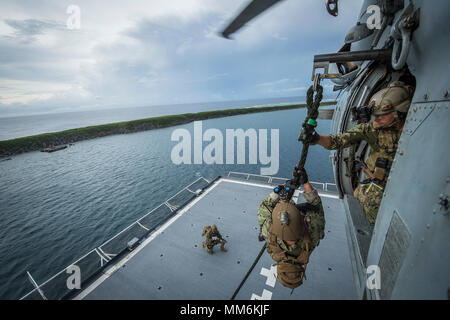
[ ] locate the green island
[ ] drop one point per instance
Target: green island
(52, 139)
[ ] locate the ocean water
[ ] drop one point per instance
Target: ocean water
(16, 127)
(55, 207)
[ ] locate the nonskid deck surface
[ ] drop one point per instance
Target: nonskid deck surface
(171, 263)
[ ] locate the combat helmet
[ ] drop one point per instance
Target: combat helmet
(287, 222)
(396, 97)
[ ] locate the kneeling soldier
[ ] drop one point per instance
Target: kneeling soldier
(213, 237)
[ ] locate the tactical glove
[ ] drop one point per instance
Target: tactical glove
(301, 174)
(309, 135)
(261, 237)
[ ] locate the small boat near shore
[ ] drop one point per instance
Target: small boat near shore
(53, 149)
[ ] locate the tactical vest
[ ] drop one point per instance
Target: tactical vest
(216, 235)
(290, 270)
(381, 156)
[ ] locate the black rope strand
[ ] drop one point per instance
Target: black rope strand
(249, 271)
(312, 106)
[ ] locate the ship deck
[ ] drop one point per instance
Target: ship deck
(171, 263)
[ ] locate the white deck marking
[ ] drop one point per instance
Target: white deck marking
(266, 295)
(270, 274)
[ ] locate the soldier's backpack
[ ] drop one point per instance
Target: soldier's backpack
(290, 270)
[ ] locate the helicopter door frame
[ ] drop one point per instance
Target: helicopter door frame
(360, 91)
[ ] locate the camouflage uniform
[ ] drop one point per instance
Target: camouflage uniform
(315, 221)
(213, 237)
(383, 144)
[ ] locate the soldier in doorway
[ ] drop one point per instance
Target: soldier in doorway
(389, 107)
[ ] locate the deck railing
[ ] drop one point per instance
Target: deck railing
(330, 187)
(56, 287)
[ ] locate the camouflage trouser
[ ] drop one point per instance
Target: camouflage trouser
(209, 245)
(370, 195)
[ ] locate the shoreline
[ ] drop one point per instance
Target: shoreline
(53, 139)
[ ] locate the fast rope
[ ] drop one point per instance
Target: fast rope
(249, 271)
(310, 122)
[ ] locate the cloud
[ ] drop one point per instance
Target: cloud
(24, 91)
(31, 27)
(272, 83)
(297, 89)
(158, 52)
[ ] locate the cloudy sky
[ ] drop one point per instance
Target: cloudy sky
(152, 52)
